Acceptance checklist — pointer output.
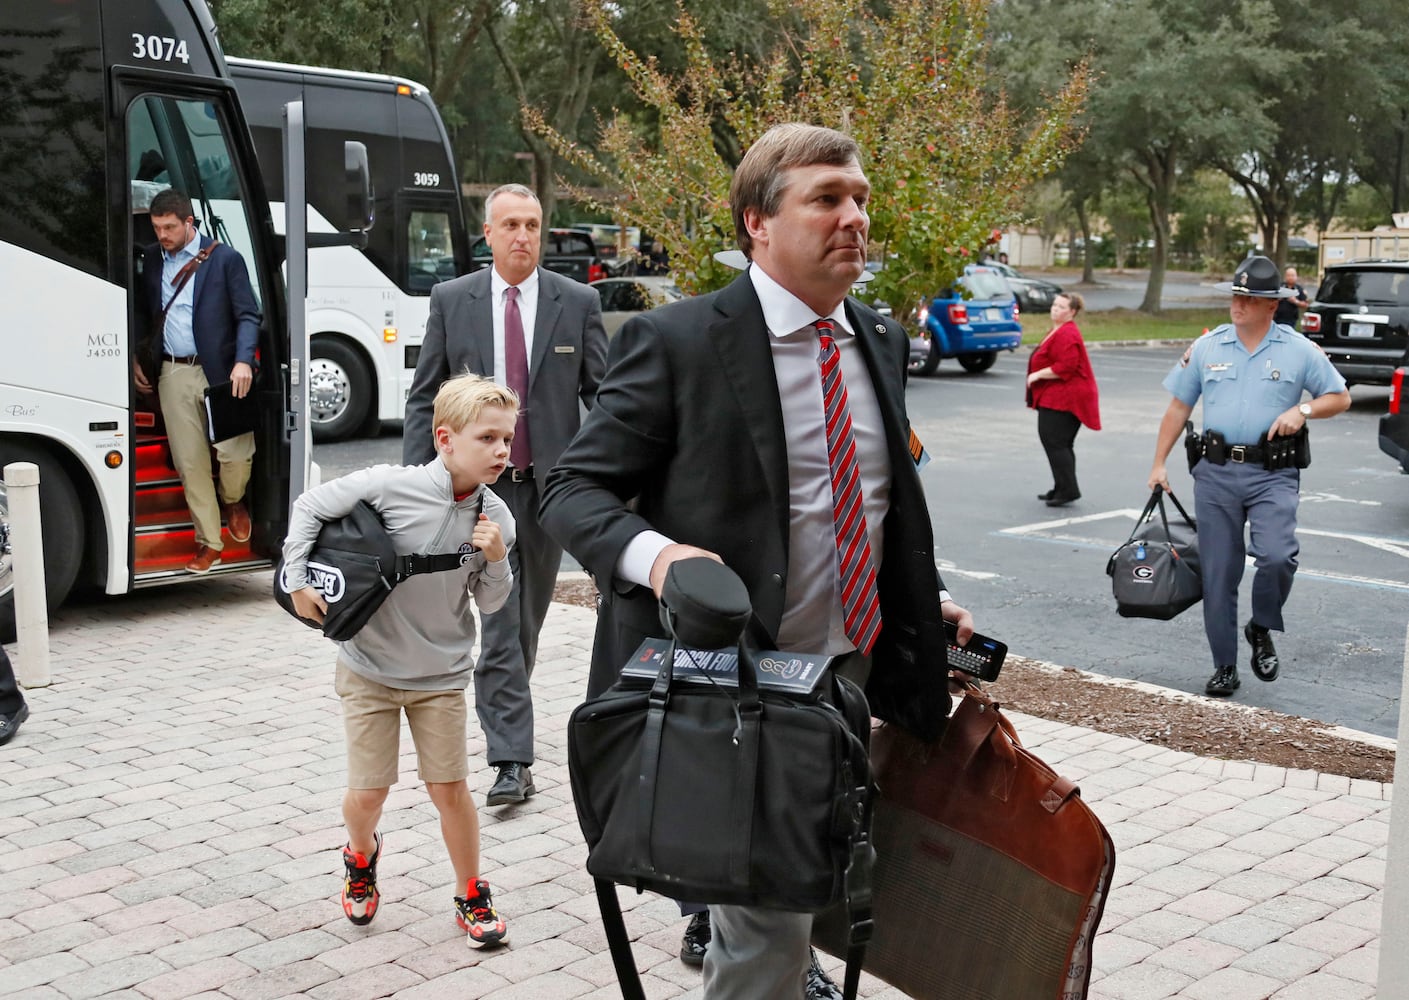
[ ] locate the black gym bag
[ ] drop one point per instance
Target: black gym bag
(1155, 574)
(354, 565)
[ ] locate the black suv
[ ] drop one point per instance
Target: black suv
(1360, 317)
(570, 252)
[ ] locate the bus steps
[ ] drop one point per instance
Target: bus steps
(165, 538)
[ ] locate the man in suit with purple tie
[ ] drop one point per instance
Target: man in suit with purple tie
(541, 335)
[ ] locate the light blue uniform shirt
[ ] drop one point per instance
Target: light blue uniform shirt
(1243, 393)
(178, 337)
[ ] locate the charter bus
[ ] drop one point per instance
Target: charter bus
(103, 103)
(367, 308)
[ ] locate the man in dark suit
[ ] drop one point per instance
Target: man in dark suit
(541, 335)
(204, 328)
(711, 437)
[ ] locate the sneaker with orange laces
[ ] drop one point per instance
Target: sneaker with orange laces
(476, 915)
(359, 888)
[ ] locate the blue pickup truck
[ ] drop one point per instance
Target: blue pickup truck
(971, 321)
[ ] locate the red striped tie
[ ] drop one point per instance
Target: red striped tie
(856, 569)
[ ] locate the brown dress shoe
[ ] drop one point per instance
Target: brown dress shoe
(206, 557)
(238, 521)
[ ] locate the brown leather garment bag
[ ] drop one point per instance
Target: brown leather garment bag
(991, 872)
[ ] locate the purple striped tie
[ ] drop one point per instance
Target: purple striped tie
(860, 600)
(516, 377)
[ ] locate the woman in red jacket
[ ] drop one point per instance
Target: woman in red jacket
(1062, 389)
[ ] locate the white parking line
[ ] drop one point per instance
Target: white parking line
(1052, 531)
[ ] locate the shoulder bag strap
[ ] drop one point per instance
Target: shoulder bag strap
(184, 275)
(417, 563)
(617, 941)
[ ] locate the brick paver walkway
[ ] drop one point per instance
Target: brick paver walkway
(170, 828)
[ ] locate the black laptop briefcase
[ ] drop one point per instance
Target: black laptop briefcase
(713, 773)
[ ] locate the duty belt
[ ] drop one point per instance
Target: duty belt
(1239, 453)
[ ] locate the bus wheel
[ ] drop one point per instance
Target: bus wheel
(339, 390)
(61, 519)
(980, 362)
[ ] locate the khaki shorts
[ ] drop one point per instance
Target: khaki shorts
(371, 716)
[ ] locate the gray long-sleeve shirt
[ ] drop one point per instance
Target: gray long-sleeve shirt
(420, 638)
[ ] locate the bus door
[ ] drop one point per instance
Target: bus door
(193, 141)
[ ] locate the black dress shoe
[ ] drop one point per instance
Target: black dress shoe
(696, 939)
(1059, 500)
(819, 985)
(1223, 682)
(514, 784)
(11, 725)
(1264, 654)
(1047, 496)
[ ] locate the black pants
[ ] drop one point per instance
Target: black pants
(1056, 429)
(10, 697)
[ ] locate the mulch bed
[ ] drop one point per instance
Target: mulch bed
(1211, 729)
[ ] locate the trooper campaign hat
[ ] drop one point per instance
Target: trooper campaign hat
(1258, 277)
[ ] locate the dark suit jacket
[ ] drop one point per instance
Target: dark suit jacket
(569, 356)
(224, 314)
(688, 422)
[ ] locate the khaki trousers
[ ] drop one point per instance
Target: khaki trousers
(181, 390)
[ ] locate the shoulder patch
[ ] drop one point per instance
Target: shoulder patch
(918, 454)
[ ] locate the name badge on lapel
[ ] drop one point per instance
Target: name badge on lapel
(568, 349)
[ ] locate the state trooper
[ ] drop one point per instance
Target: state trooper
(1251, 375)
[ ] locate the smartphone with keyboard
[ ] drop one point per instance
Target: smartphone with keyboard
(982, 657)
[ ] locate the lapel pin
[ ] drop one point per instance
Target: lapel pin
(880, 328)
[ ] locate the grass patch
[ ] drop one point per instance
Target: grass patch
(1131, 324)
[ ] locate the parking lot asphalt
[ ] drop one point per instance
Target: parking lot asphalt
(170, 828)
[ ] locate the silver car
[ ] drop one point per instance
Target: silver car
(624, 297)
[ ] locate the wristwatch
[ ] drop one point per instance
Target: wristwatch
(1305, 409)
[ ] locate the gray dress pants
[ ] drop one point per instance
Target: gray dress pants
(755, 953)
(509, 645)
(1227, 497)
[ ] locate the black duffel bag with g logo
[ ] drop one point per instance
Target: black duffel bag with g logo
(1156, 573)
(355, 567)
(710, 781)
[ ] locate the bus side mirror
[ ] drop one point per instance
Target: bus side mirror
(360, 216)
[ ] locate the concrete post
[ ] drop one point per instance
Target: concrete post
(27, 543)
(1394, 911)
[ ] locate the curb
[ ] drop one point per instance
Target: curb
(1154, 690)
(1170, 694)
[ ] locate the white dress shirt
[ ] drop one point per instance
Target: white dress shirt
(812, 602)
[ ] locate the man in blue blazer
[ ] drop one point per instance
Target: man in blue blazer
(541, 335)
(204, 327)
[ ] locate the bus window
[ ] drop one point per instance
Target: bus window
(181, 143)
(52, 201)
(430, 258)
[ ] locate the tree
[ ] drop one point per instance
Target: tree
(1213, 219)
(1384, 121)
(1178, 82)
(948, 163)
(1314, 116)
(349, 34)
(551, 58)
